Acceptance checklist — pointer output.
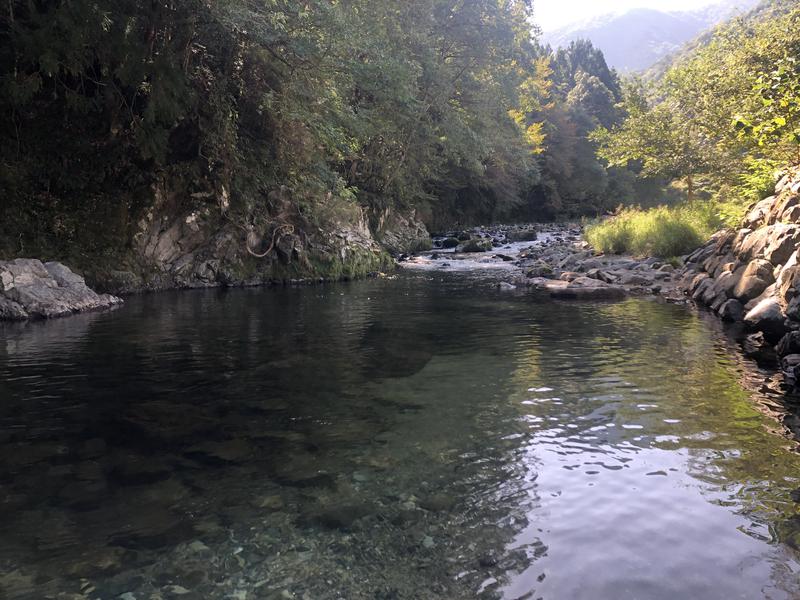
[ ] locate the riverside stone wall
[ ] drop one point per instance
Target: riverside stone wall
(753, 274)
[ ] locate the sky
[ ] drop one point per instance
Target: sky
(552, 14)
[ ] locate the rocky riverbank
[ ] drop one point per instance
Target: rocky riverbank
(203, 248)
(30, 289)
(752, 274)
(550, 257)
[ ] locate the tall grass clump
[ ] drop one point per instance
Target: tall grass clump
(662, 231)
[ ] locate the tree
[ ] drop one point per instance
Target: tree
(660, 140)
(729, 110)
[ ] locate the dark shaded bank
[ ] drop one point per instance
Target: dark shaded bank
(179, 245)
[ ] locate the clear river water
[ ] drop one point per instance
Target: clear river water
(424, 436)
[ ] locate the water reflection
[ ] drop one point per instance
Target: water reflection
(419, 438)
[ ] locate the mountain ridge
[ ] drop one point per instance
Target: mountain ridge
(636, 39)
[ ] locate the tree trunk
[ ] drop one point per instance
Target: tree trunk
(690, 187)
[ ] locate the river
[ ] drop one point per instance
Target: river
(419, 436)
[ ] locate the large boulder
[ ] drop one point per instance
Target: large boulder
(756, 278)
(782, 244)
(753, 244)
(522, 234)
(476, 245)
(401, 233)
(768, 318)
(731, 310)
(727, 281)
(786, 210)
(759, 213)
(789, 344)
(704, 292)
(31, 290)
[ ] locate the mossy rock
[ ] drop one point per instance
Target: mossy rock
(478, 245)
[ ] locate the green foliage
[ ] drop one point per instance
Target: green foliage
(661, 231)
(726, 115)
(582, 95)
(777, 119)
(347, 106)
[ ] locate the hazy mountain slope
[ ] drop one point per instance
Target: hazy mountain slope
(766, 9)
(637, 39)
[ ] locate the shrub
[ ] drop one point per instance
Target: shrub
(662, 231)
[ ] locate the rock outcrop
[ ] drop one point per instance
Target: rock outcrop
(401, 233)
(32, 290)
(752, 274)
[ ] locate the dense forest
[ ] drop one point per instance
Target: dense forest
(288, 116)
(292, 114)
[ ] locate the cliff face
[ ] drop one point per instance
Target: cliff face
(205, 246)
(753, 274)
(185, 239)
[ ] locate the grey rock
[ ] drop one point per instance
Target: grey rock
(635, 279)
(33, 290)
(702, 288)
(727, 281)
(11, 311)
(400, 233)
(474, 246)
(589, 264)
(783, 245)
(789, 344)
(790, 361)
(731, 310)
(758, 214)
(522, 235)
(696, 281)
(716, 303)
(539, 269)
(768, 318)
(756, 278)
(753, 244)
(63, 276)
(585, 288)
(793, 309)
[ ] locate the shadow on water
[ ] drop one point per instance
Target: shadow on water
(417, 438)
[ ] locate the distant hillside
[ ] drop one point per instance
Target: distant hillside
(766, 9)
(637, 39)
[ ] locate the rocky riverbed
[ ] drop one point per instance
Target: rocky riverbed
(749, 275)
(752, 274)
(746, 277)
(550, 257)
